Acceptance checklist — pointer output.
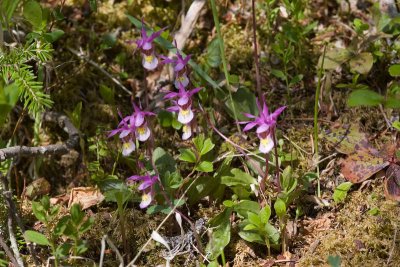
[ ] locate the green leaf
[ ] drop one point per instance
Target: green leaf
(207, 146)
(279, 74)
(107, 94)
(238, 177)
(33, 13)
(254, 219)
(362, 63)
(244, 101)
(76, 115)
(76, 214)
(165, 118)
(8, 8)
(39, 212)
(374, 211)
(394, 70)
(187, 155)
(364, 97)
(334, 58)
(340, 192)
(205, 166)
(63, 250)
(61, 226)
(273, 233)
(53, 36)
(264, 214)
(334, 261)
(221, 235)
(214, 53)
(296, 79)
(36, 237)
(280, 207)
(163, 161)
(202, 187)
(250, 227)
(198, 142)
(93, 5)
(86, 225)
(252, 237)
(245, 206)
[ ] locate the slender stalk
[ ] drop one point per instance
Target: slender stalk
(256, 61)
(278, 180)
(223, 258)
(317, 93)
(224, 64)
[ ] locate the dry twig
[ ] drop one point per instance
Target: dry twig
(57, 149)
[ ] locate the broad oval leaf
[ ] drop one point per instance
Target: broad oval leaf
(238, 177)
(364, 97)
(362, 63)
(36, 237)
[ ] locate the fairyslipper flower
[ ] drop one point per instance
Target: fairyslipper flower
(132, 127)
(126, 131)
(138, 119)
(180, 68)
(145, 44)
(146, 186)
(184, 103)
(265, 123)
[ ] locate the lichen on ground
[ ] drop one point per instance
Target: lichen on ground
(363, 232)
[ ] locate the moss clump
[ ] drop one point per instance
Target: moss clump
(363, 233)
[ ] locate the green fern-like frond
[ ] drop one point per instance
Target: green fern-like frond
(14, 69)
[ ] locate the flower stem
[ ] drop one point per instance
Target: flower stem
(224, 63)
(278, 180)
(317, 93)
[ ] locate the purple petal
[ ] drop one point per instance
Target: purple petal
(124, 133)
(145, 184)
(248, 115)
(263, 128)
(170, 95)
(183, 100)
(135, 178)
(114, 132)
(265, 110)
(277, 112)
(139, 119)
(249, 126)
(186, 60)
(173, 109)
(194, 91)
(148, 113)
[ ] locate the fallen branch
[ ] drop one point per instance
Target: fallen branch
(10, 221)
(7, 250)
(57, 149)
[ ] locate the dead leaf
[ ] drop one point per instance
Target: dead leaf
(392, 182)
(85, 196)
(360, 166)
(346, 138)
(37, 188)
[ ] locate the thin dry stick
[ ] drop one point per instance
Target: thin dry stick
(10, 224)
(393, 247)
(94, 64)
(159, 226)
(58, 149)
(113, 247)
(16, 214)
(7, 250)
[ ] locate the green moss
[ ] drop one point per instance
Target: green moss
(358, 237)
